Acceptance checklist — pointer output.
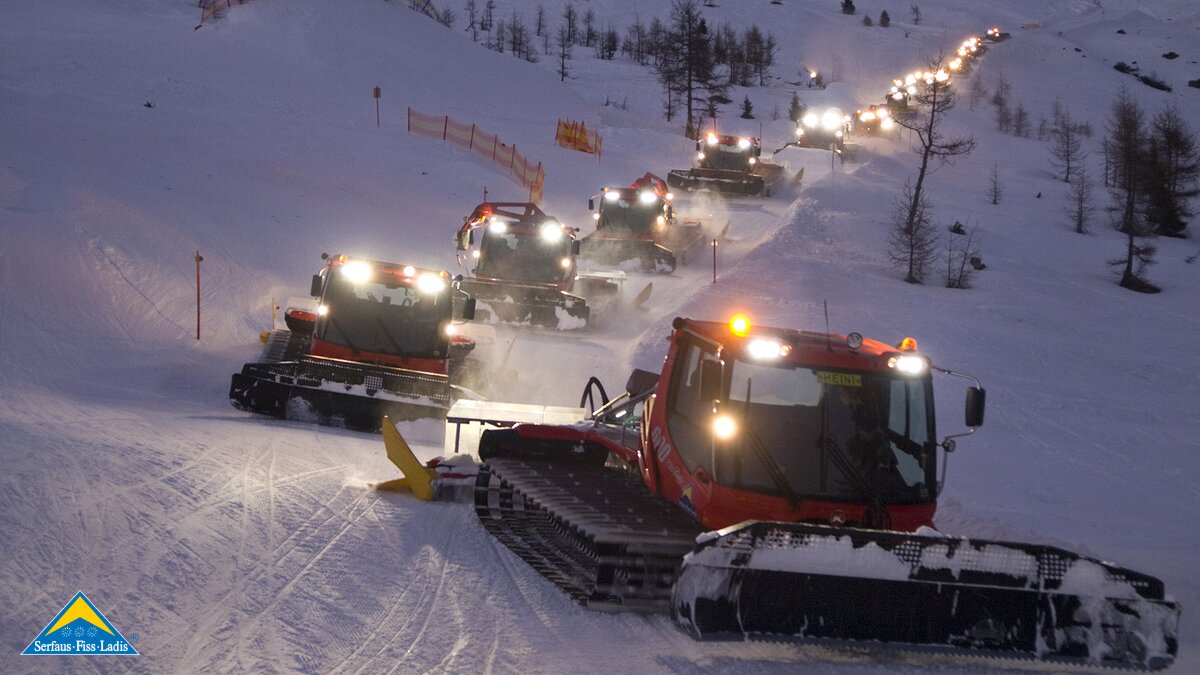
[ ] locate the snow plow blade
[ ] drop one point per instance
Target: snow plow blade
(532, 304)
(612, 249)
(418, 478)
(338, 393)
(807, 582)
(717, 180)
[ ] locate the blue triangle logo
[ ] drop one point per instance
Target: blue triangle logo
(80, 630)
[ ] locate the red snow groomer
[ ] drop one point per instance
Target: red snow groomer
(874, 120)
(729, 165)
(811, 460)
(523, 267)
(638, 223)
(823, 129)
(379, 340)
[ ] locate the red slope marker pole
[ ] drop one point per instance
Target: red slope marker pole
(198, 259)
(714, 244)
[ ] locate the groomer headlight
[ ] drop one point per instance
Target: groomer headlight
(647, 197)
(357, 272)
(908, 364)
(724, 428)
(430, 283)
(551, 232)
(767, 349)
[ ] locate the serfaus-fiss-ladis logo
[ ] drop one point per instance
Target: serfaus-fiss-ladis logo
(80, 629)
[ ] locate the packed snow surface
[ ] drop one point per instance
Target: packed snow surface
(220, 541)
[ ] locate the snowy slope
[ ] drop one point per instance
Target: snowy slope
(241, 544)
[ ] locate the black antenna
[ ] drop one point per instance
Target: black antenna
(828, 340)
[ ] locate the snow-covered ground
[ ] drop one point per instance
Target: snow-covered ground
(227, 542)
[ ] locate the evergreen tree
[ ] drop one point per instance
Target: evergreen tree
(747, 109)
(848, 7)
(795, 110)
(1079, 199)
(885, 20)
(1123, 147)
(687, 65)
(1066, 143)
(570, 16)
(867, 20)
(563, 42)
(1172, 170)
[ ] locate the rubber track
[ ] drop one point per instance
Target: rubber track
(593, 531)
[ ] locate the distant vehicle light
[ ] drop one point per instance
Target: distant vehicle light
(712, 138)
(551, 232)
(409, 271)
(810, 119)
(611, 196)
(753, 161)
(566, 263)
(450, 330)
(699, 155)
(475, 253)
(887, 123)
(832, 119)
(498, 226)
(743, 144)
(322, 310)
(647, 197)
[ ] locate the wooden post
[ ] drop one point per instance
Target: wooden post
(198, 259)
(714, 244)
(377, 107)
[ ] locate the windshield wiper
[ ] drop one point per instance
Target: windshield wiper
(768, 462)
(390, 338)
(345, 337)
(773, 468)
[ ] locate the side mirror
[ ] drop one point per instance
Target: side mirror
(314, 289)
(976, 396)
(468, 310)
(575, 246)
(710, 379)
(591, 204)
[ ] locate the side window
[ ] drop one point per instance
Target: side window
(690, 416)
(906, 418)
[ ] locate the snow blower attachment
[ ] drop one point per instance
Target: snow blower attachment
(638, 223)
(524, 267)
(829, 440)
(727, 165)
(380, 341)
